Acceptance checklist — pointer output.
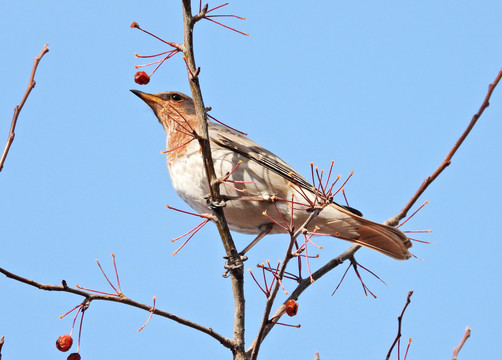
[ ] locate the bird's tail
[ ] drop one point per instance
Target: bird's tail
(385, 239)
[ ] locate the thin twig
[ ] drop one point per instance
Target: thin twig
(123, 300)
(399, 322)
(456, 350)
(18, 108)
(150, 316)
(447, 161)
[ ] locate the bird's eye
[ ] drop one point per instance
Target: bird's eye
(176, 97)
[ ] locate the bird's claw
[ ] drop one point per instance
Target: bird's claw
(214, 205)
(233, 264)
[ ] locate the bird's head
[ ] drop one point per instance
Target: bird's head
(169, 107)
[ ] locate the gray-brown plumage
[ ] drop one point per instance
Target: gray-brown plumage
(263, 175)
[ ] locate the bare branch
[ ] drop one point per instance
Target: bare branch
(18, 108)
(303, 284)
(447, 161)
(266, 324)
(123, 300)
(399, 322)
(456, 350)
(203, 135)
(200, 15)
(237, 269)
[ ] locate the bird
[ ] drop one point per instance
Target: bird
(262, 192)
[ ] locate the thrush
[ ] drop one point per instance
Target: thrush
(262, 192)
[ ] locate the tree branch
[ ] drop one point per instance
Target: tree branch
(237, 269)
(305, 283)
(399, 322)
(447, 161)
(228, 343)
(266, 324)
(237, 343)
(456, 350)
(18, 108)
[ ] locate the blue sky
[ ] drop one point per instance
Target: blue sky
(383, 88)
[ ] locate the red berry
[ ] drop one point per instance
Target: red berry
(64, 343)
(291, 307)
(134, 25)
(141, 78)
(74, 356)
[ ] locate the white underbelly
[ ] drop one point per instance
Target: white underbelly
(246, 216)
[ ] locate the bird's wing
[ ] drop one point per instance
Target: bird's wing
(385, 239)
(241, 144)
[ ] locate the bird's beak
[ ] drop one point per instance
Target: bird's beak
(152, 100)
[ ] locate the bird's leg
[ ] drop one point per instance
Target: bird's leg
(214, 205)
(265, 230)
(246, 198)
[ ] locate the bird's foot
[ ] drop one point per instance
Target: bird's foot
(233, 264)
(214, 205)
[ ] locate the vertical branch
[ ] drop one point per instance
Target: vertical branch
(18, 108)
(236, 271)
(203, 135)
